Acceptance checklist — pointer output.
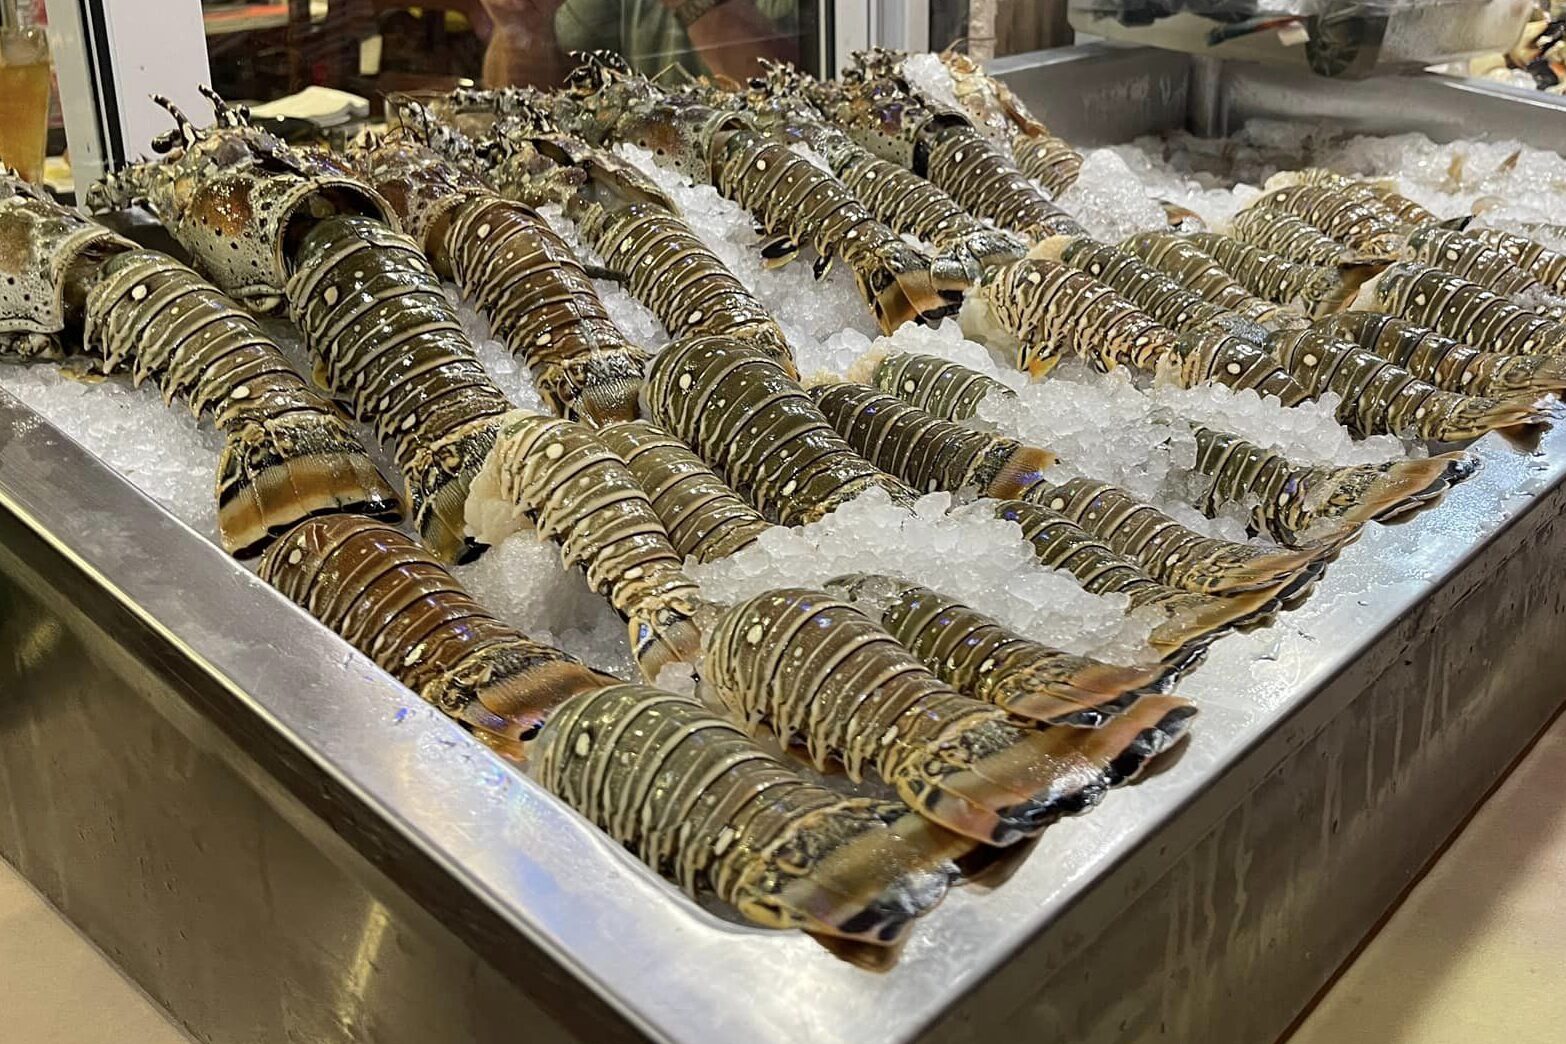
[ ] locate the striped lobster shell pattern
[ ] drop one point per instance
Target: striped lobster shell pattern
(815, 668)
(1051, 160)
(1294, 504)
(1462, 254)
(986, 182)
(380, 590)
(681, 281)
(1404, 209)
(1291, 237)
(1317, 506)
(982, 659)
(697, 800)
(512, 265)
(523, 276)
(1197, 271)
(1546, 265)
(288, 452)
(705, 519)
(1396, 207)
(915, 206)
(790, 195)
(928, 452)
(1446, 362)
(559, 476)
(387, 341)
(1462, 309)
(925, 451)
(759, 430)
(1355, 219)
(1047, 308)
(1314, 288)
(1189, 620)
(1163, 297)
(949, 152)
(1380, 397)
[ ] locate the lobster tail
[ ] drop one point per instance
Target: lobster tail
(1341, 285)
(276, 472)
(560, 477)
(901, 285)
(386, 340)
(382, 592)
(289, 454)
(695, 798)
(998, 783)
(1319, 506)
(982, 659)
(818, 669)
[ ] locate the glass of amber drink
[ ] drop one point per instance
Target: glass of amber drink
(24, 99)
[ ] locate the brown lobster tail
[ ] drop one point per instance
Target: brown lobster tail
(816, 667)
(759, 430)
(695, 798)
(274, 474)
(1189, 620)
(383, 593)
(386, 340)
(980, 658)
(560, 476)
(705, 518)
(288, 454)
(538, 297)
(1319, 507)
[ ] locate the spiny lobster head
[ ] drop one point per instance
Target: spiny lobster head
(240, 199)
(681, 130)
(783, 90)
(422, 185)
(49, 258)
(533, 161)
(881, 116)
(874, 63)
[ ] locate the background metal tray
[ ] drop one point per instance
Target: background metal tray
(280, 844)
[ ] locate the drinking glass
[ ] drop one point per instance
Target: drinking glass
(24, 100)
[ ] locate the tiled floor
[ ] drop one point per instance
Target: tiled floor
(1477, 954)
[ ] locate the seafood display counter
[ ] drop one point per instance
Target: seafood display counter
(279, 842)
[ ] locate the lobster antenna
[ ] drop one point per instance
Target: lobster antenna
(187, 130)
(227, 115)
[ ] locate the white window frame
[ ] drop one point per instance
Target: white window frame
(857, 24)
(110, 57)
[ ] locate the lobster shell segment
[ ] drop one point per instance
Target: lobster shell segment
(48, 257)
(696, 799)
(385, 594)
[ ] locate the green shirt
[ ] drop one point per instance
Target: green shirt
(647, 33)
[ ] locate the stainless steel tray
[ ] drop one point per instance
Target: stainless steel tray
(279, 843)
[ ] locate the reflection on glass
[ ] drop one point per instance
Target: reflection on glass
(994, 28)
(371, 48)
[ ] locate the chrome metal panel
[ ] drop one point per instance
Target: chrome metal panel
(1100, 94)
(1442, 107)
(275, 839)
(1104, 94)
